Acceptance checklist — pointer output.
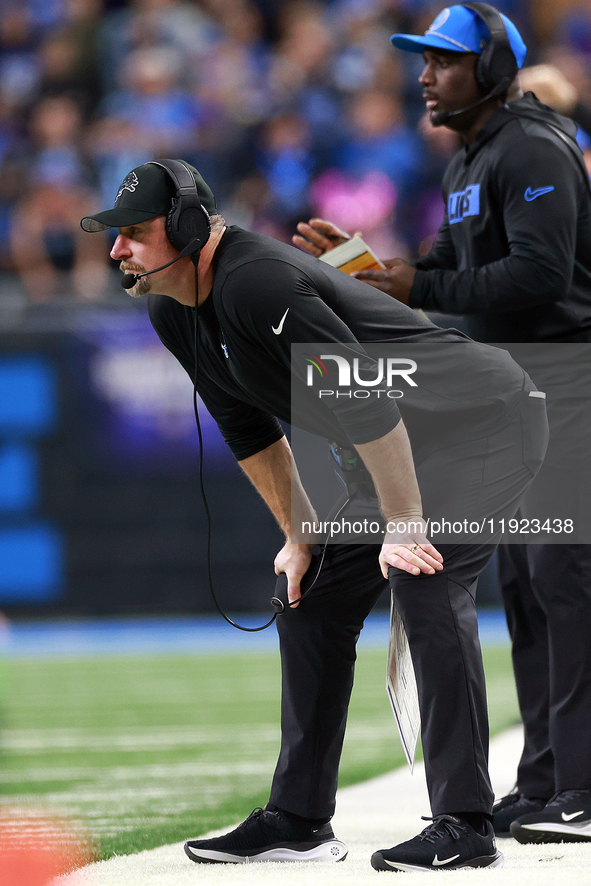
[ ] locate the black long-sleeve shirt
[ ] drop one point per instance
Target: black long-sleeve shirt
(513, 253)
(267, 296)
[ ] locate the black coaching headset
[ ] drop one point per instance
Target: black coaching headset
(188, 225)
(496, 68)
(188, 220)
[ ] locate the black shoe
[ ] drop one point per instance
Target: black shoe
(514, 805)
(269, 836)
(566, 817)
(448, 843)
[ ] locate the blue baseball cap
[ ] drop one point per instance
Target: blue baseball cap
(458, 29)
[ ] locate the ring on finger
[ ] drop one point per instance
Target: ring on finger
(412, 550)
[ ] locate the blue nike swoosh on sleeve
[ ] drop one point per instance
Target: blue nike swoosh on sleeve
(531, 195)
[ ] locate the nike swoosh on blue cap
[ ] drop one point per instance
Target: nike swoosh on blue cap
(458, 29)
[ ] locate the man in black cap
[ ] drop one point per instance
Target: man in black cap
(231, 306)
(512, 256)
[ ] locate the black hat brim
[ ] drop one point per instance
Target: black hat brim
(114, 218)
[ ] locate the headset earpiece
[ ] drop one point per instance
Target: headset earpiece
(188, 219)
(496, 68)
(185, 222)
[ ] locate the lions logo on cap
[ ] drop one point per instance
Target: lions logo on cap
(440, 20)
(130, 183)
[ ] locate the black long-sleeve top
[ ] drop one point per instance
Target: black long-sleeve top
(513, 253)
(267, 296)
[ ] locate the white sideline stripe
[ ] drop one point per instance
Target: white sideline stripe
(133, 774)
(373, 815)
(140, 739)
(136, 739)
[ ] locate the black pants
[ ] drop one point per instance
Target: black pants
(318, 638)
(547, 596)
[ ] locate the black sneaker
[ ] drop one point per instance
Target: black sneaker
(448, 843)
(566, 817)
(268, 836)
(514, 805)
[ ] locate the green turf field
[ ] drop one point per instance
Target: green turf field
(150, 750)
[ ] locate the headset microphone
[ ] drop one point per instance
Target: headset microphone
(440, 118)
(129, 280)
(496, 67)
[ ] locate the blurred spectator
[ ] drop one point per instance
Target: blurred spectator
(49, 250)
(151, 97)
(232, 75)
(300, 74)
(150, 24)
(231, 81)
(304, 50)
(551, 87)
(69, 55)
(573, 66)
(551, 17)
(20, 65)
(379, 139)
(277, 102)
(285, 161)
(364, 58)
(251, 206)
(366, 203)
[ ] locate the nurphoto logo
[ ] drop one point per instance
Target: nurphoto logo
(383, 371)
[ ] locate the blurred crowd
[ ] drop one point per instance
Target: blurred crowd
(289, 108)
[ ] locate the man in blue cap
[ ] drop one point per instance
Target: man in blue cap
(512, 256)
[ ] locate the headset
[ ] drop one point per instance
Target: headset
(188, 225)
(188, 219)
(496, 68)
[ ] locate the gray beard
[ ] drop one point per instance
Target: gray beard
(140, 288)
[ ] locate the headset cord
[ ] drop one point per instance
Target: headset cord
(324, 547)
(208, 541)
(278, 604)
(202, 486)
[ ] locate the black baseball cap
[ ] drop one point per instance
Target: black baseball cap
(145, 192)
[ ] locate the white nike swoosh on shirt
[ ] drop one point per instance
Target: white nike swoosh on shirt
(281, 322)
(437, 862)
(569, 816)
